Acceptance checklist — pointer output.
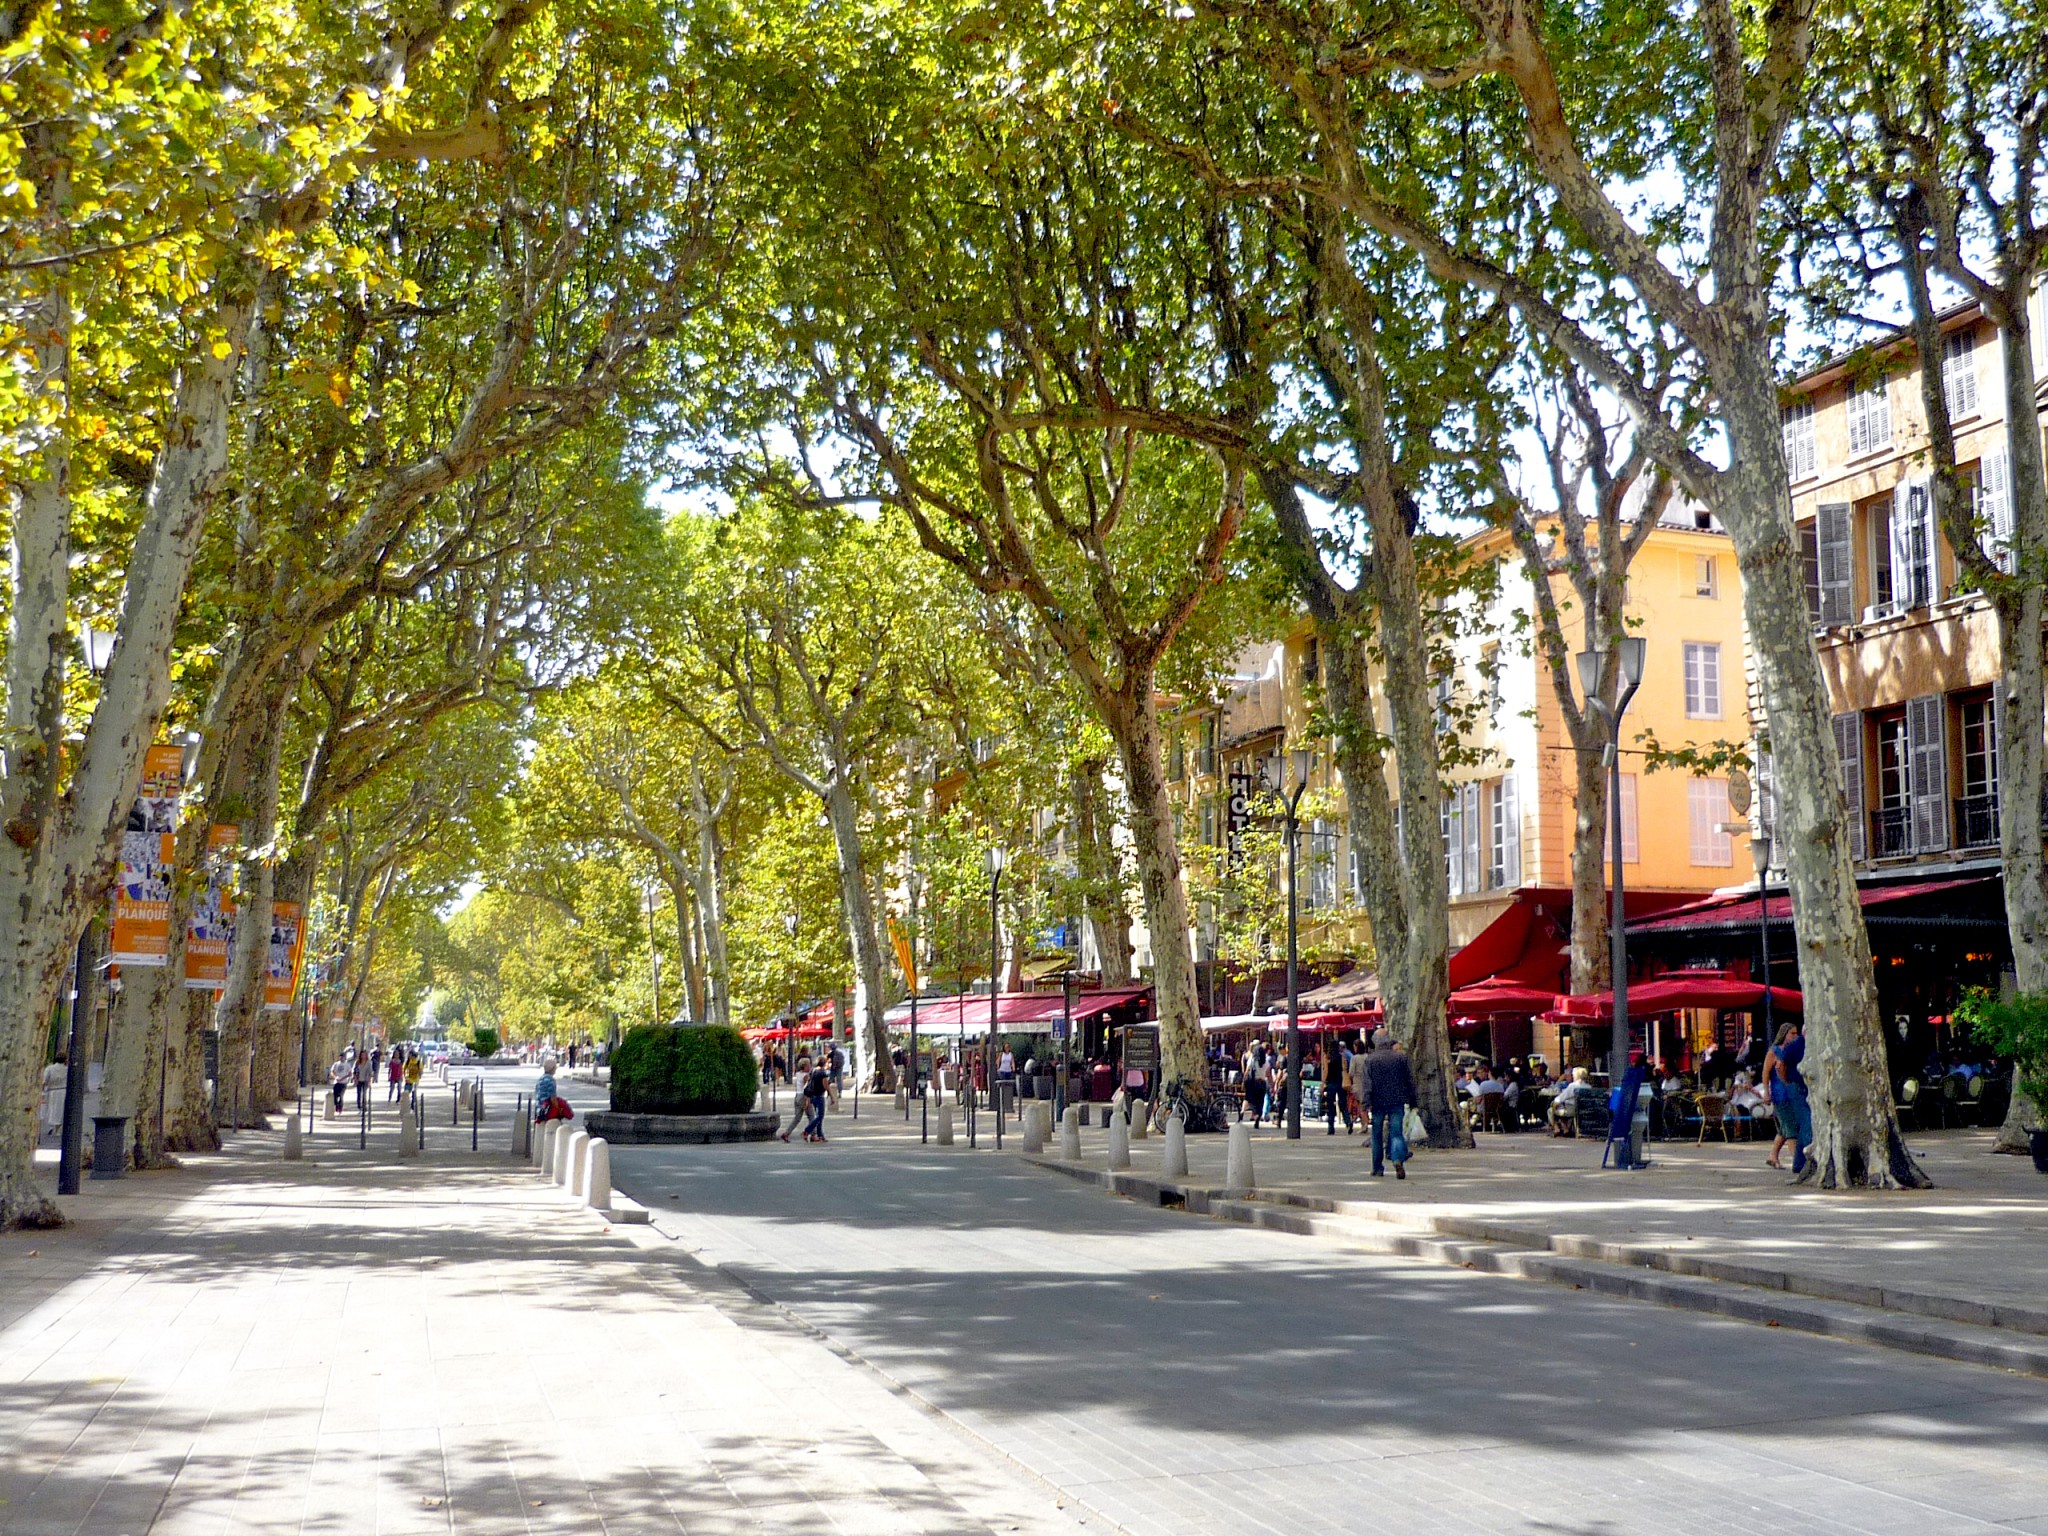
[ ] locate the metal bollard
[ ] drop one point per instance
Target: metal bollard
(476, 1114)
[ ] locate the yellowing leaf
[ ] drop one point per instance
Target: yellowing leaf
(221, 350)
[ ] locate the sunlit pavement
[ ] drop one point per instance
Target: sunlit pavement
(1176, 1374)
(351, 1343)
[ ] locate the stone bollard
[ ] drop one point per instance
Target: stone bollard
(550, 1148)
(945, 1125)
(328, 1099)
(408, 1133)
(1070, 1134)
(522, 1135)
(597, 1175)
(1174, 1164)
(1141, 1115)
(1119, 1144)
(902, 1098)
(537, 1143)
(571, 1160)
(294, 1138)
(1034, 1137)
(1237, 1163)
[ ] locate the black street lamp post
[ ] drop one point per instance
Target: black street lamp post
(996, 859)
(1301, 761)
(1594, 681)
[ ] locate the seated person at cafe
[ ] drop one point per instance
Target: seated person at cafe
(1744, 1098)
(1564, 1109)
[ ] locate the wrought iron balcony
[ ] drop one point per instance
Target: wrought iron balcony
(1891, 831)
(1977, 821)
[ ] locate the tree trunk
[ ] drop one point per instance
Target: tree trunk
(1133, 723)
(711, 911)
(1095, 841)
(241, 1004)
(133, 1041)
(2019, 606)
(1856, 1133)
(1592, 952)
(191, 1128)
(858, 911)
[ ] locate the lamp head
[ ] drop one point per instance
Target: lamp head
(1590, 670)
(1302, 759)
(97, 646)
(997, 858)
(1633, 650)
(789, 924)
(915, 884)
(188, 753)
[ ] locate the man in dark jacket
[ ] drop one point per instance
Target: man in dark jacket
(1389, 1090)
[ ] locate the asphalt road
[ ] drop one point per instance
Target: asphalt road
(1168, 1373)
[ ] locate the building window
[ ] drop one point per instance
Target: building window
(1702, 680)
(1208, 826)
(1354, 877)
(1802, 462)
(1991, 500)
(1707, 811)
(1205, 755)
(1504, 835)
(1892, 820)
(1489, 671)
(1977, 809)
(1870, 419)
(1959, 373)
(1631, 852)
(1177, 759)
(1311, 660)
(1706, 576)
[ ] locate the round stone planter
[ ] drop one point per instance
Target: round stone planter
(648, 1130)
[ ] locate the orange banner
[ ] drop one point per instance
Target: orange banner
(287, 953)
(142, 899)
(210, 931)
(906, 959)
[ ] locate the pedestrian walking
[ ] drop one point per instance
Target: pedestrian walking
(838, 1076)
(415, 1069)
(363, 1073)
(338, 1078)
(1389, 1091)
(397, 1075)
(1789, 1098)
(1255, 1083)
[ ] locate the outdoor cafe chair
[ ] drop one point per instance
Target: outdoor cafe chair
(1713, 1116)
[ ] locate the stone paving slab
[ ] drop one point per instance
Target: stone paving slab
(355, 1344)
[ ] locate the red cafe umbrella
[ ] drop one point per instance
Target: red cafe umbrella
(1682, 989)
(1495, 996)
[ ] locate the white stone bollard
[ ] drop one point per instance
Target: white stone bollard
(572, 1161)
(1070, 1134)
(1119, 1144)
(902, 1098)
(1237, 1163)
(522, 1135)
(1034, 1138)
(597, 1174)
(328, 1098)
(294, 1138)
(537, 1143)
(945, 1125)
(1141, 1113)
(551, 1148)
(1174, 1164)
(408, 1132)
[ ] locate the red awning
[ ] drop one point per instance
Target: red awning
(1746, 911)
(1314, 1023)
(1521, 945)
(1014, 1010)
(1682, 989)
(781, 1032)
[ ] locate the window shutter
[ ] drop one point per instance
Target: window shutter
(1919, 588)
(1511, 821)
(1837, 564)
(1927, 742)
(1959, 373)
(1475, 839)
(1630, 852)
(1454, 843)
(1994, 507)
(1903, 559)
(1849, 747)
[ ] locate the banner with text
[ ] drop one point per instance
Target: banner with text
(210, 931)
(142, 899)
(287, 953)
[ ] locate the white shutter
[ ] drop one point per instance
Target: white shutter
(1849, 749)
(1631, 851)
(1452, 814)
(1511, 823)
(1475, 839)
(1994, 507)
(1902, 548)
(1927, 753)
(1959, 373)
(1836, 520)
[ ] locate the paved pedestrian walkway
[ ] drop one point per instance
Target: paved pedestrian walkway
(1972, 1249)
(355, 1344)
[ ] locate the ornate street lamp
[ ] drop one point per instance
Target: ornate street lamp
(1301, 760)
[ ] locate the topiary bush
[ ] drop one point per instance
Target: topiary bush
(664, 1069)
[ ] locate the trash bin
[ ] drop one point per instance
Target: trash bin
(109, 1146)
